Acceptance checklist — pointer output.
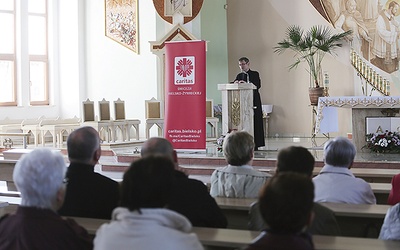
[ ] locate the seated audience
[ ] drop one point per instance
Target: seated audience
(142, 221)
(286, 203)
(335, 182)
(238, 179)
(394, 195)
(390, 229)
(89, 194)
(39, 176)
(299, 160)
(189, 197)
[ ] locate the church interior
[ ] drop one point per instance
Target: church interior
(93, 75)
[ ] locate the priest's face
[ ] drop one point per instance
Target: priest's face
(244, 66)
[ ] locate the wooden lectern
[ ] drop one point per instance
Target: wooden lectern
(237, 107)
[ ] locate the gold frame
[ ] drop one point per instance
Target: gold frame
(121, 22)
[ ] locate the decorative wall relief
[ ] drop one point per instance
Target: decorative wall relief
(376, 31)
(121, 19)
(188, 8)
(173, 6)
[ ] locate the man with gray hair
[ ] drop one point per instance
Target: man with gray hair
(298, 159)
(89, 194)
(39, 176)
(189, 197)
(239, 179)
(335, 182)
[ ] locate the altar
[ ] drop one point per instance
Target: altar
(362, 107)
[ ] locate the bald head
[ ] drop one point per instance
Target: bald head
(158, 146)
(83, 145)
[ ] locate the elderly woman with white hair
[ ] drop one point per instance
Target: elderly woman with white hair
(239, 179)
(39, 176)
(335, 182)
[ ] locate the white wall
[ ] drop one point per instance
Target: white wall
(254, 28)
(112, 70)
(70, 58)
(93, 66)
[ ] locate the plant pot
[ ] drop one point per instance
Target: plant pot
(314, 94)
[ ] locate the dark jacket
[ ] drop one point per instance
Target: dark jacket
(35, 229)
(191, 198)
(89, 194)
(324, 222)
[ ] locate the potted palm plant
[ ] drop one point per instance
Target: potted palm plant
(311, 46)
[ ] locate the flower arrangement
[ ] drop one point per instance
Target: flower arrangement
(220, 142)
(388, 142)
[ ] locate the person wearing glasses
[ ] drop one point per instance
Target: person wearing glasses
(39, 176)
(248, 75)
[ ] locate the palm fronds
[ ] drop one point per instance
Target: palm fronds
(310, 46)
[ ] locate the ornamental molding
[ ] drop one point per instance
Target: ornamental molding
(354, 102)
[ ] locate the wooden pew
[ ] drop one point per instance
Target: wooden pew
(358, 210)
(90, 224)
(233, 238)
(381, 190)
(6, 173)
(23, 135)
(371, 175)
(3, 206)
(375, 175)
(340, 209)
(203, 167)
(357, 220)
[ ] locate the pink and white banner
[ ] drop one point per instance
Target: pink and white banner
(185, 94)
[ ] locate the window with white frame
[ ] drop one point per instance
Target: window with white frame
(37, 44)
(7, 53)
(24, 41)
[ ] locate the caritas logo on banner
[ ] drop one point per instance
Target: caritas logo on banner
(184, 70)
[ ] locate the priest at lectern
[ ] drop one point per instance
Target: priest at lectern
(248, 75)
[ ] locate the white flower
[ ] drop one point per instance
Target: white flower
(383, 142)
